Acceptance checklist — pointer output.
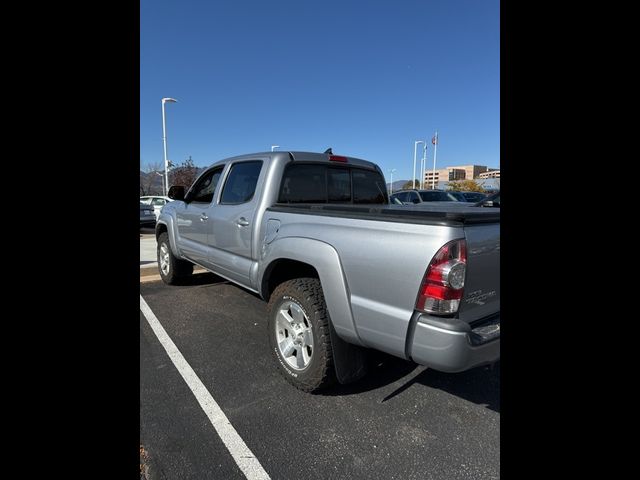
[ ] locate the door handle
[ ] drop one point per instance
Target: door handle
(243, 222)
(204, 217)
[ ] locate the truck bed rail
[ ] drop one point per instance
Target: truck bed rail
(390, 213)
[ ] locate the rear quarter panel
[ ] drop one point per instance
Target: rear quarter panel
(382, 264)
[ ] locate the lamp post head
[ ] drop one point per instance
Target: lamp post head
(274, 147)
(167, 99)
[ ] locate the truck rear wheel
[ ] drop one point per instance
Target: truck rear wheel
(299, 334)
(171, 268)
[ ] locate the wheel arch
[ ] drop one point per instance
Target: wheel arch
(161, 227)
(284, 259)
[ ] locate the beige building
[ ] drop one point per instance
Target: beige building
(491, 173)
(462, 172)
(444, 174)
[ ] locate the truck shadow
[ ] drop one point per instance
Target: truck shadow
(480, 385)
(202, 278)
(383, 370)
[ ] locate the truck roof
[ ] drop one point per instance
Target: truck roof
(297, 156)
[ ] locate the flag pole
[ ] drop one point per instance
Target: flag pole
(435, 152)
(415, 154)
(415, 150)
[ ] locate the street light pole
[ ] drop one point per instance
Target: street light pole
(435, 151)
(415, 153)
(423, 165)
(274, 146)
(162, 182)
(391, 184)
(164, 143)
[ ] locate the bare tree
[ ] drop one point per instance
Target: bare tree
(150, 182)
(184, 174)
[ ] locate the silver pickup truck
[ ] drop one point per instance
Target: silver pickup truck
(342, 269)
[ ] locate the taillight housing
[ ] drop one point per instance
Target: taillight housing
(443, 283)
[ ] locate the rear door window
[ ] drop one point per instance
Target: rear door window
(436, 197)
(241, 182)
(456, 196)
(402, 196)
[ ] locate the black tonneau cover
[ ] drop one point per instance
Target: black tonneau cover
(454, 216)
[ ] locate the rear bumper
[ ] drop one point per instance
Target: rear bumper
(455, 347)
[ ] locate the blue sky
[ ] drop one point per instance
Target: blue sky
(366, 78)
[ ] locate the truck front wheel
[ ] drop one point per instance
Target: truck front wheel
(172, 268)
(299, 334)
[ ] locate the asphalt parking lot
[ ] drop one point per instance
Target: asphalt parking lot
(402, 421)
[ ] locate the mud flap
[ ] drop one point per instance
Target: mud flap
(350, 361)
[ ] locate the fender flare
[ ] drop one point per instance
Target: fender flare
(171, 231)
(325, 259)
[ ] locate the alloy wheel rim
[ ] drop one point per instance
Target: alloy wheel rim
(164, 259)
(294, 335)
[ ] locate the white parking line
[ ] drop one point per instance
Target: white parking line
(244, 458)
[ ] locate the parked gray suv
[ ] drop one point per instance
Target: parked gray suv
(147, 217)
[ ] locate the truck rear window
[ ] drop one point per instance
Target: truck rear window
(317, 183)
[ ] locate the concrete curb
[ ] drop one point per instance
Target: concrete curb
(149, 270)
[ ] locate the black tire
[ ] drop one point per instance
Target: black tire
(178, 268)
(307, 294)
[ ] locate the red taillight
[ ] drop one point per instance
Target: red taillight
(337, 158)
(443, 283)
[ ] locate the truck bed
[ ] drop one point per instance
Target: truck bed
(383, 252)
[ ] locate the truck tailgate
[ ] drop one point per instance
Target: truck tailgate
(481, 296)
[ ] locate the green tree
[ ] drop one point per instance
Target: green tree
(465, 186)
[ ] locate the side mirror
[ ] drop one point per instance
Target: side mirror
(176, 192)
(415, 200)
